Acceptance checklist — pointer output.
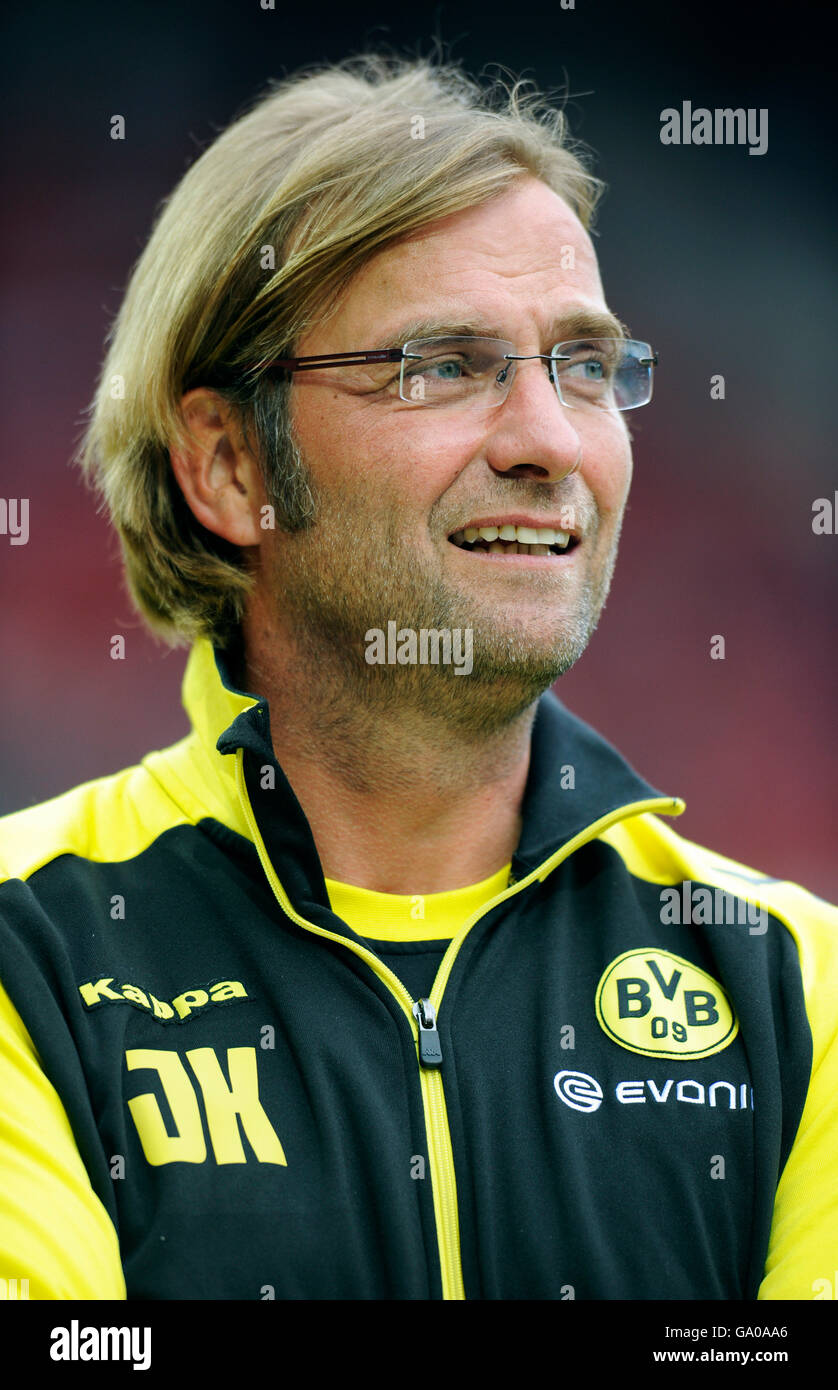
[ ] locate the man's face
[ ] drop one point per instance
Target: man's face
(394, 481)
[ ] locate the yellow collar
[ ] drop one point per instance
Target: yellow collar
(412, 917)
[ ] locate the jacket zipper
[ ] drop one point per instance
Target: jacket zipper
(422, 1014)
(440, 1157)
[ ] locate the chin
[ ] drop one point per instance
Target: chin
(501, 687)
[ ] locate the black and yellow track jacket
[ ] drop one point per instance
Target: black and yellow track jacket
(623, 1083)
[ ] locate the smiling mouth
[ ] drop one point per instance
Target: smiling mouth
(514, 540)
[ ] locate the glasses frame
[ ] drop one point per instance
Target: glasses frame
(370, 356)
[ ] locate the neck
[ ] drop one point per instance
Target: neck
(399, 799)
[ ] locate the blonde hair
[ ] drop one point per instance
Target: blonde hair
(258, 241)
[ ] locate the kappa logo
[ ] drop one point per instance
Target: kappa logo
(96, 992)
(660, 1005)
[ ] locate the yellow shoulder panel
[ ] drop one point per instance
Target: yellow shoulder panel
(116, 817)
(54, 1231)
(803, 1253)
(202, 782)
(802, 1258)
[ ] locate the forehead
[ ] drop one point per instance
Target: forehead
(517, 263)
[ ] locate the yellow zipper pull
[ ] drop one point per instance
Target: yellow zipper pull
(430, 1053)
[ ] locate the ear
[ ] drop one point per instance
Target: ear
(218, 475)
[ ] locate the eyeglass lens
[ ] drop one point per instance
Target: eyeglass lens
(606, 373)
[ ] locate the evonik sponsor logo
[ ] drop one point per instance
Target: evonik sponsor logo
(582, 1092)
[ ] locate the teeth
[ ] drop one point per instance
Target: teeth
(527, 535)
(512, 540)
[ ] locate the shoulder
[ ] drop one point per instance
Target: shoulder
(706, 886)
(109, 818)
(654, 851)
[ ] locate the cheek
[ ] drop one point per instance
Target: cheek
(338, 447)
(411, 459)
(437, 447)
(607, 466)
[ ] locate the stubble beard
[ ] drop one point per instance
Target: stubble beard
(338, 576)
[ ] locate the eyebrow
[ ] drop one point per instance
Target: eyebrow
(579, 323)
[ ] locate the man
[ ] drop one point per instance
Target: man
(389, 980)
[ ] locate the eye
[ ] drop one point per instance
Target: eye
(446, 371)
(448, 368)
(589, 362)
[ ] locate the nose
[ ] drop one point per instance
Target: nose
(532, 435)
